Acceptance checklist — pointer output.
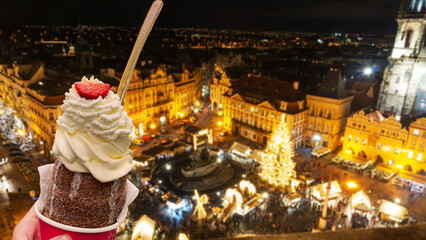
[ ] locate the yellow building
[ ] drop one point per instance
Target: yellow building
(253, 106)
(326, 121)
(36, 99)
(13, 83)
(219, 87)
(42, 114)
(156, 97)
(414, 151)
(186, 88)
(386, 143)
(149, 100)
(329, 108)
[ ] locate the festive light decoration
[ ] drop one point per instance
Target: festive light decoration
(232, 195)
(277, 164)
(12, 129)
(182, 236)
(27, 144)
(251, 189)
(232, 200)
(200, 202)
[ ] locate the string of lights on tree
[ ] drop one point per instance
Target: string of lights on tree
(10, 126)
(277, 164)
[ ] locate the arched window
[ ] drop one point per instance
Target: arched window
(421, 172)
(408, 39)
(408, 168)
(362, 154)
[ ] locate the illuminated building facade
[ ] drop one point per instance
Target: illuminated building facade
(386, 143)
(326, 121)
(329, 108)
(36, 99)
(149, 99)
(220, 86)
(155, 97)
(403, 90)
(186, 88)
(253, 106)
(41, 118)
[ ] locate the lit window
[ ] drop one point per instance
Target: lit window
(356, 139)
(390, 163)
(379, 146)
(386, 148)
(419, 156)
(364, 141)
(397, 150)
(350, 138)
(410, 154)
(416, 131)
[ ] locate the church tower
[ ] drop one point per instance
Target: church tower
(403, 90)
(83, 54)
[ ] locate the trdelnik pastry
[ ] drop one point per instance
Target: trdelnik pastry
(88, 187)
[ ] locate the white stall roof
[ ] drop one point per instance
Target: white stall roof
(240, 149)
(392, 209)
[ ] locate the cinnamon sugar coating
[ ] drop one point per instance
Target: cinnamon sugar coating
(78, 199)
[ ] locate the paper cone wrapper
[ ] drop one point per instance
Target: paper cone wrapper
(50, 228)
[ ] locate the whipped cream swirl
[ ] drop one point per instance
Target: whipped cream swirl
(93, 136)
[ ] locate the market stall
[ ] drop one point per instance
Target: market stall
(360, 202)
(292, 200)
(392, 212)
(319, 191)
(144, 228)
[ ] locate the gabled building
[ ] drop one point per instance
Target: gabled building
(253, 106)
(384, 142)
(157, 96)
(329, 108)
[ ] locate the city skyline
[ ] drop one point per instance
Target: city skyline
(307, 16)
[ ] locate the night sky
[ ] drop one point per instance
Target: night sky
(361, 16)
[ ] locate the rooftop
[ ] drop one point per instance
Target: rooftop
(51, 86)
(266, 87)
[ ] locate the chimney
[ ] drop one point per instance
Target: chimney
(296, 85)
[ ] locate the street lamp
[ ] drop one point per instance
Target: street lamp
(368, 71)
(351, 185)
(397, 200)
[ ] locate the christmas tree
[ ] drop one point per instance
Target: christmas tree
(277, 164)
(9, 126)
(27, 144)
